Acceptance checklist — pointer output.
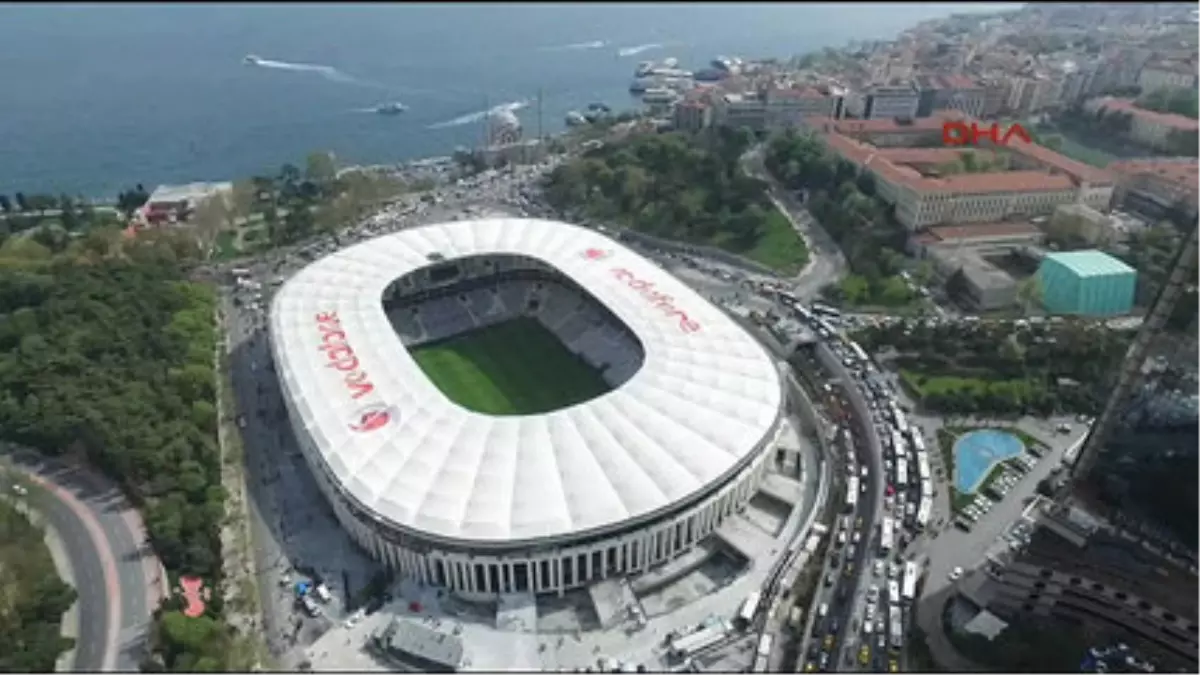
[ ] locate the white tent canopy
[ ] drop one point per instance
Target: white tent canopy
(703, 400)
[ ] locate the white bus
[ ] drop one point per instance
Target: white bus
(851, 493)
(749, 608)
(686, 645)
(927, 489)
(898, 445)
(918, 441)
(901, 472)
(901, 422)
(923, 465)
(824, 329)
(764, 646)
(886, 534)
(859, 353)
(895, 627)
(908, 589)
(924, 511)
(825, 310)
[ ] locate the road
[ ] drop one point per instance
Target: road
(827, 264)
(115, 574)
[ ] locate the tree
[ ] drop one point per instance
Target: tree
(1029, 293)
(210, 218)
(320, 167)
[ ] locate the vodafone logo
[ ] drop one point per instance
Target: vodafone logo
(595, 254)
(372, 418)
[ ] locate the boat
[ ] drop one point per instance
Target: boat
(391, 108)
(710, 75)
(643, 69)
(599, 107)
(659, 95)
(642, 84)
(576, 119)
(252, 60)
(670, 62)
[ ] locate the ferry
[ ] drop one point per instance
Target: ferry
(576, 119)
(659, 95)
(392, 108)
(252, 60)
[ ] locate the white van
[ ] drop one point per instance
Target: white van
(823, 610)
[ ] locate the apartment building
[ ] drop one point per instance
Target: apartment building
(1023, 588)
(1152, 129)
(1167, 75)
(788, 107)
(693, 114)
(907, 177)
(884, 102)
(950, 92)
(741, 110)
(1153, 186)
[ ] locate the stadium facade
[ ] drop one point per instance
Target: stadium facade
(484, 503)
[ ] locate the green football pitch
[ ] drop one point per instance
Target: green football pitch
(514, 368)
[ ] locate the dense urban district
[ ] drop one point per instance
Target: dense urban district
(957, 269)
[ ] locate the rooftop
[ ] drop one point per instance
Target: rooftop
(1166, 119)
(1090, 263)
(406, 638)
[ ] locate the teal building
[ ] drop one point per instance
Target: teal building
(1086, 283)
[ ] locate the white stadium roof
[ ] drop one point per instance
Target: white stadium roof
(702, 402)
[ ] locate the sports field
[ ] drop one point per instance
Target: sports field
(514, 368)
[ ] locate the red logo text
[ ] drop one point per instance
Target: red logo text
(595, 254)
(961, 133)
(341, 355)
(662, 301)
(371, 418)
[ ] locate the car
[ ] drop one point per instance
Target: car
(956, 574)
(829, 579)
(879, 568)
(893, 666)
(856, 537)
(810, 667)
(864, 655)
(890, 490)
(829, 640)
(849, 570)
(869, 611)
(873, 593)
(868, 627)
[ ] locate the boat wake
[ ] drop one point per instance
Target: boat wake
(632, 51)
(328, 72)
(577, 46)
(470, 118)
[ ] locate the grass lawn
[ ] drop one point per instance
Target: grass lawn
(227, 248)
(779, 247)
(514, 368)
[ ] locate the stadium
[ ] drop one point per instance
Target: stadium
(519, 405)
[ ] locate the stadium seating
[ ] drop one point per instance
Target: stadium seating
(578, 323)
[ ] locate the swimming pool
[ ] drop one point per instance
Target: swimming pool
(976, 452)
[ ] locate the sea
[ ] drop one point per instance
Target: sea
(97, 98)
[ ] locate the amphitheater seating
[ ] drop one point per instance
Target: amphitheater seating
(407, 324)
(579, 324)
(445, 317)
(513, 295)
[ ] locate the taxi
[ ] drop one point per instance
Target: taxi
(864, 655)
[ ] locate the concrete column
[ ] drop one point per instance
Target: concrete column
(587, 562)
(487, 576)
(510, 579)
(604, 562)
(557, 572)
(535, 569)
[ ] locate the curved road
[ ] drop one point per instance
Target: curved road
(115, 576)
